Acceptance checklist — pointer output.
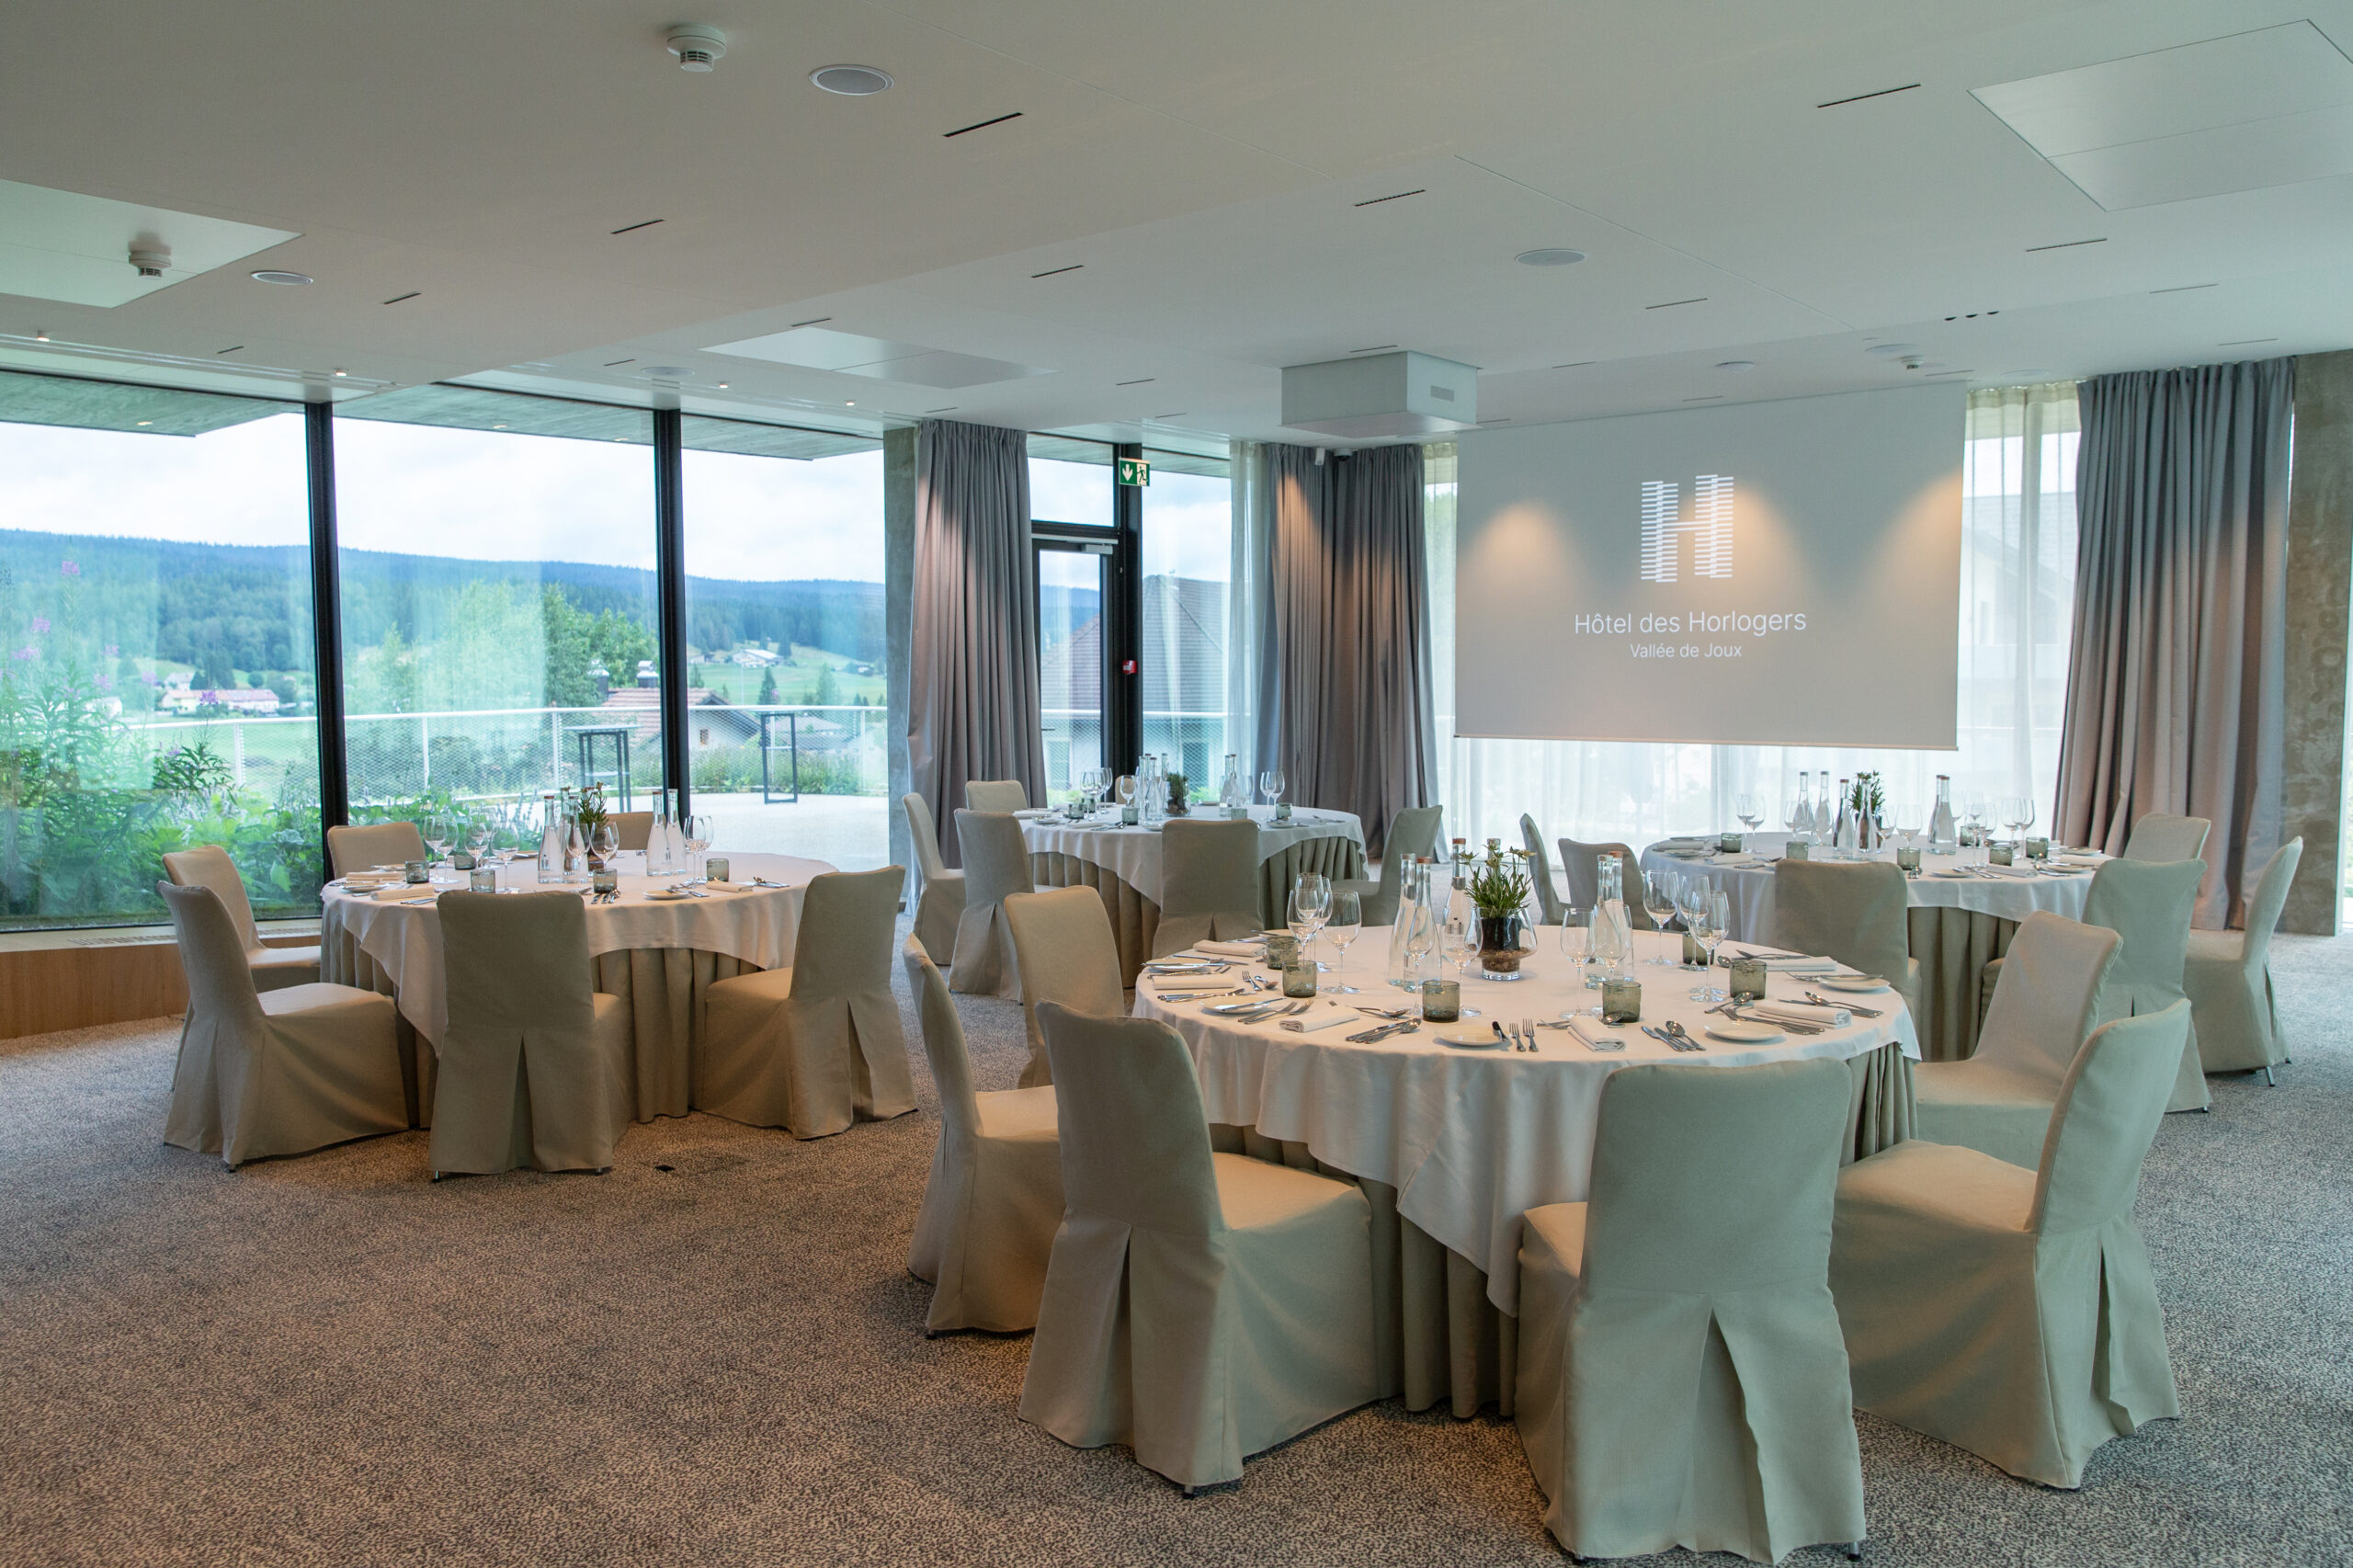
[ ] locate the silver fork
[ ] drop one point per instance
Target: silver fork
(1820, 1001)
(1527, 1034)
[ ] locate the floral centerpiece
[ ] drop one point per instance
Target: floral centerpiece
(1499, 888)
(1178, 785)
(1868, 803)
(590, 814)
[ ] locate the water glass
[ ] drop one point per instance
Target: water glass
(1748, 979)
(697, 840)
(1311, 908)
(605, 883)
(1282, 949)
(1576, 942)
(483, 879)
(1299, 980)
(1659, 890)
(1343, 925)
(1441, 1001)
(1621, 1002)
(417, 872)
(1907, 860)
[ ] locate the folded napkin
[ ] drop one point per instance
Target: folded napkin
(1231, 949)
(1802, 1013)
(1778, 962)
(1303, 1026)
(392, 892)
(2086, 862)
(1589, 1029)
(1993, 870)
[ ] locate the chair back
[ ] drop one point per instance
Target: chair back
(922, 830)
(517, 962)
(1581, 868)
(1715, 1179)
(219, 982)
(355, 848)
(208, 866)
(633, 830)
(2106, 1117)
(995, 795)
(1211, 869)
(1412, 831)
(2149, 903)
(1063, 946)
(2159, 835)
(943, 1041)
(1135, 1141)
(1539, 869)
(2270, 897)
(997, 859)
(843, 948)
(1856, 912)
(2048, 996)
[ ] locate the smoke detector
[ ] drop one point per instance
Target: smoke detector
(698, 48)
(151, 257)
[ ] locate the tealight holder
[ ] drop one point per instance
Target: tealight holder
(1300, 980)
(1441, 1001)
(2000, 855)
(2038, 849)
(1907, 860)
(1694, 955)
(1282, 811)
(1130, 816)
(1796, 849)
(1730, 843)
(483, 879)
(714, 868)
(605, 881)
(1282, 949)
(1622, 1001)
(462, 860)
(1748, 979)
(417, 872)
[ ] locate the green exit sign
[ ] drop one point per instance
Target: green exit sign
(1134, 470)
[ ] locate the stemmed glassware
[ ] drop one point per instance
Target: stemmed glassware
(1706, 913)
(480, 829)
(1749, 810)
(1343, 925)
(697, 840)
(2028, 811)
(1798, 817)
(1458, 939)
(1660, 894)
(1311, 908)
(1270, 784)
(605, 842)
(1910, 821)
(1576, 942)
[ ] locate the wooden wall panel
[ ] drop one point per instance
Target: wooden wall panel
(45, 989)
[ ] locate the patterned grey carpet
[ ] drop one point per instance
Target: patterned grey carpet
(713, 1355)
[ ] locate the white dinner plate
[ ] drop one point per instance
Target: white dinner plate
(1740, 1031)
(1471, 1039)
(1850, 982)
(668, 895)
(1952, 875)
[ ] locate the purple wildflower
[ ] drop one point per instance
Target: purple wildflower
(72, 569)
(28, 652)
(41, 625)
(106, 683)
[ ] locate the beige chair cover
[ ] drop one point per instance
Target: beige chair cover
(1412, 831)
(2047, 999)
(995, 1196)
(1063, 942)
(1539, 869)
(1681, 1379)
(941, 904)
(1005, 795)
(353, 849)
(815, 1047)
(2150, 903)
(1581, 868)
(1209, 883)
(1856, 912)
(1199, 1307)
(273, 969)
(2160, 836)
(634, 829)
(2011, 1312)
(996, 862)
(297, 1069)
(2228, 979)
(535, 1069)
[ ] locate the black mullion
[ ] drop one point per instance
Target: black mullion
(670, 595)
(327, 624)
(1123, 624)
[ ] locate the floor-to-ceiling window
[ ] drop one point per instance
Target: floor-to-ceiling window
(156, 682)
(1182, 632)
(787, 737)
(499, 606)
(1074, 525)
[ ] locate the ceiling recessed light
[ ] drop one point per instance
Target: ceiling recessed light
(1736, 364)
(343, 373)
(1552, 255)
(1892, 350)
(146, 422)
(722, 386)
(271, 275)
(851, 81)
(40, 336)
(499, 426)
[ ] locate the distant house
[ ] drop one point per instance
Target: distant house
(1182, 663)
(712, 719)
(258, 702)
(753, 658)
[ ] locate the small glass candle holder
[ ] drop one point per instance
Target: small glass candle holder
(605, 881)
(483, 879)
(1796, 849)
(1282, 949)
(1999, 854)
(417, 872)
(1621, 1002)
(1441, 1001)
(1907, 858)
(1300, 980)
(1748, 979)
(715, 867)
(1282, 811)
(1129, 815)
(2038, 849)
(462, 860)
(1694, 955)
(1730, 843)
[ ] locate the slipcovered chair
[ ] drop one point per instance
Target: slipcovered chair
(1856, 912)
(1005, 795)
(941, 902)
(1199, 1308)
(1063, 946)
(273, 968)
(634, 830)
(536, 1067)
(277, 1072)
(995, 1196)
(2228, 980)
(2159, 836)
(1208, 884)
(1412, 831)
(1681, 1378)
(356, 849)
(816, 1046)
(2000, 1100)
(1539, 869)
(996, 862)
(2011, 1310)
(1581, 868)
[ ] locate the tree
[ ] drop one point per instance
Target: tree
(828, 690)
(566, 658)
(768, 696)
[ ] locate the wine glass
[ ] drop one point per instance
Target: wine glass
(1749, 810)
(1577, 943)
(1343, 925)
(1311, 907)
(1911, 819)
(1797, 816)
(437, 836)
(480, 828)
(1659, 894)
(1459, 941)
(697, 840)
(605, 842)
(1270, 784)
(1706, 913)
(2028, 812)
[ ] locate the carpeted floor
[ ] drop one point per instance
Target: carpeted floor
(713, 1355)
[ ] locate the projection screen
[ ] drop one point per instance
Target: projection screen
(1776, 572)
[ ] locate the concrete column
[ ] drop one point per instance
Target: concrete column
(898, 621)
(2320, 572)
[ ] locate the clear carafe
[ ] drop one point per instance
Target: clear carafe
(550, 867)
(1944, 833)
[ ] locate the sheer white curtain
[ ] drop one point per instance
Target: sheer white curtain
(2017, 573)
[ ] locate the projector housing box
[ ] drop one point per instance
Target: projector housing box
(1374, 396)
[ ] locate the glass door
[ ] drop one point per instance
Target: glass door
(1071, 584)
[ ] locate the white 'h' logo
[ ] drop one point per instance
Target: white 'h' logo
(1709, 526)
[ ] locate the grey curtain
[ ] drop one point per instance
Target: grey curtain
(972, 674)
(1343, 676)
(2175, 680)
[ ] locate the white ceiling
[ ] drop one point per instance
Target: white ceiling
(1189, 179)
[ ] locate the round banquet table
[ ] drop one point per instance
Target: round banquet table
(657, 956)
(1124, 865)
(1453, 1145)
(1961, 920)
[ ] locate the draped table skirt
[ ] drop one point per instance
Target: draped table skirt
(1135, 919)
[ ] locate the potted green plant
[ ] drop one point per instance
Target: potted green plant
(1176, 787)
(1867, 801)
(1499, 888)
(592, 816)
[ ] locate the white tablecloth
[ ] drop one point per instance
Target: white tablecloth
(1132, 854)
(757, 925)
(1471, 1139)
(1748, 879)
